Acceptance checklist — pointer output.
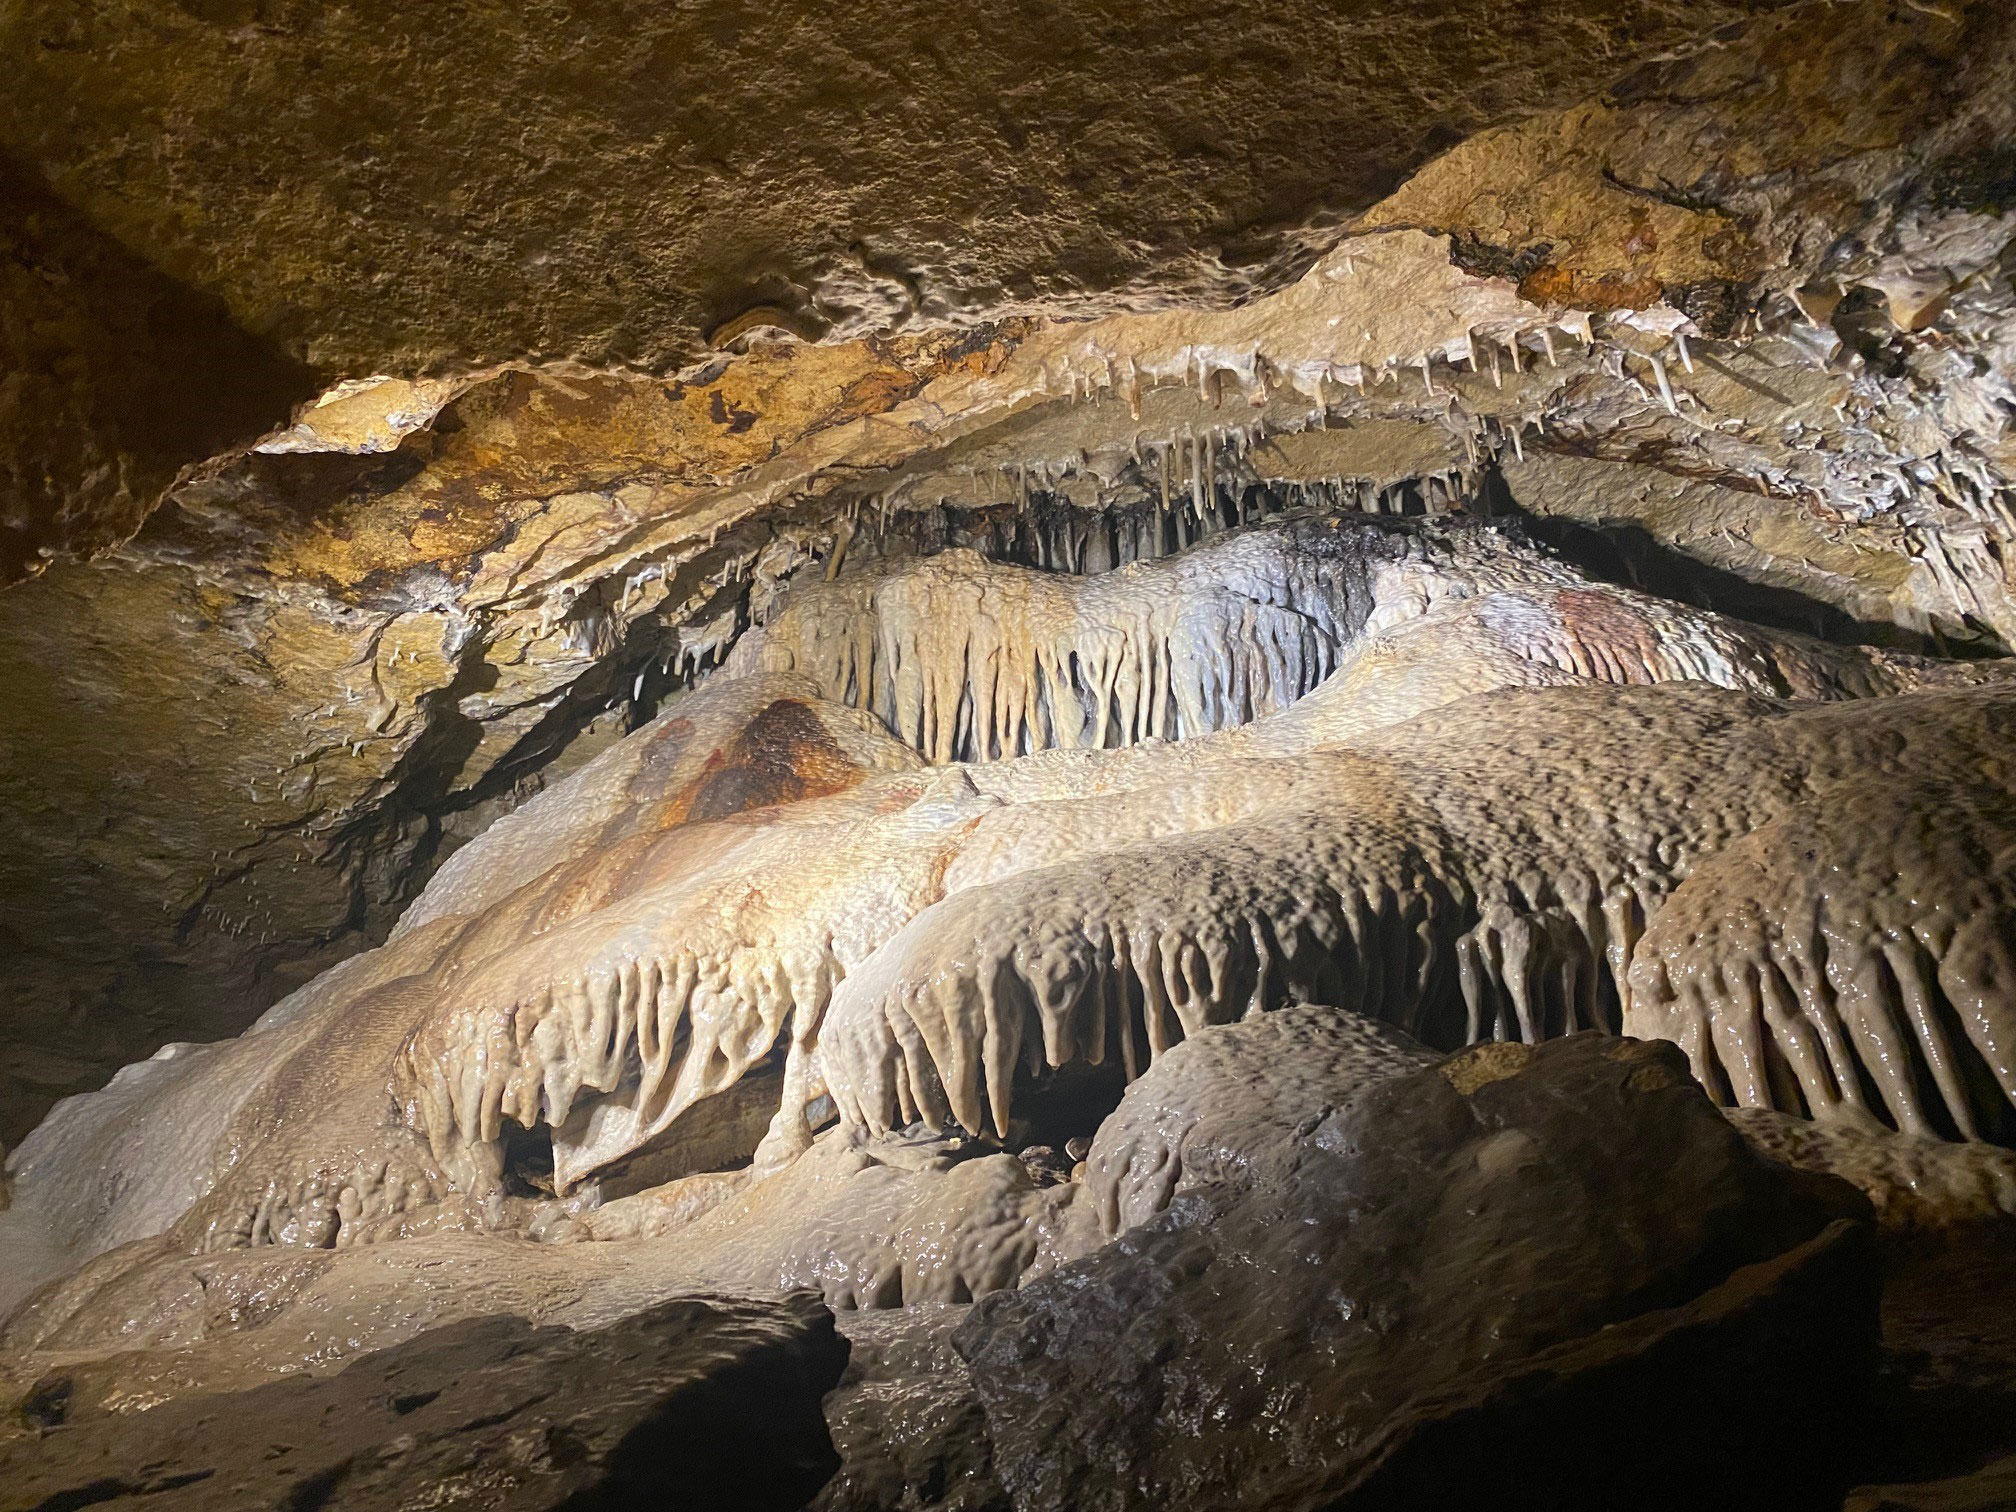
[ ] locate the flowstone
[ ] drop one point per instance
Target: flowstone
(1275, 741)
(769, 893)
(979, 935)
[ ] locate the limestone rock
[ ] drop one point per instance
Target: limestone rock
(1917, 1185)
(699, 1401)
(905, 1420)
(1385, 1313)
(118, 376)
(1231, 1094)
(718, 623)
(388, 190)
(234, 747)
(230, 753)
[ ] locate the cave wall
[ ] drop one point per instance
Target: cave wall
(290, 680)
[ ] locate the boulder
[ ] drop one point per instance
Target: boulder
(909, 1430)
(1228, 1091)
(1548, 1277)
(698, 1402)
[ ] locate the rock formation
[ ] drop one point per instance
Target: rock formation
(1286, 742)
(695, 1397)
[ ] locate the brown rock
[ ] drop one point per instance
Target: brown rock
(699, 1401)
(1550, 1291)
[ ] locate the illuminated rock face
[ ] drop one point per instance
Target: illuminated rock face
(1733, 329)
(899, 776)
(1416, 770)
(1505, 1183)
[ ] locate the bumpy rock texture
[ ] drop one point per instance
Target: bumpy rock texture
(890, 654)
(699, 1401)
(1408, 1291)
(1228, 1095)
(909, 1430)
(421, 600)
(385, 189)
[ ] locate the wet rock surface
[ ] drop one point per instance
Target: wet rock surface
(905, 1419)
(1946, 1403)
(1475, 1284)
(1202, 1112)
(698, 1401)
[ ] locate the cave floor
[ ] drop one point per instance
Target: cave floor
(1947, 1402)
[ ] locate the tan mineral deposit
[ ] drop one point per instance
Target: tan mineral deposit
(1032, 757)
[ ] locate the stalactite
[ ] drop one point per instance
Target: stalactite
(968, 660)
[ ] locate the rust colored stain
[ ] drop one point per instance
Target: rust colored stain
(875, 391)
(592, 881)
(1556, 285)
(782, 755)
(1597, 619)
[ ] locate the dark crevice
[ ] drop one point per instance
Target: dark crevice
(1625, 552)
(528, 1160)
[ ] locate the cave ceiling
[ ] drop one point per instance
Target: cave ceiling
(400, 407)
(298, 194)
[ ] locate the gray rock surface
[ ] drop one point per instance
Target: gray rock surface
(906, 1422)
(1527, 1277)
(1198, 1112)
(700, 1402)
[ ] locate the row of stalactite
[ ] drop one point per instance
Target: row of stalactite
(1133, 524)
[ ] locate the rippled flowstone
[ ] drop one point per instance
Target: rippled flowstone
(1525, 1277)
(699, 1401)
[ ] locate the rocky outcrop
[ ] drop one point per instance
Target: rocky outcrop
(1716, 332)
(699, 1401)
(229, 757)
(907, 1426)
(393, 191)
(1525, 1277)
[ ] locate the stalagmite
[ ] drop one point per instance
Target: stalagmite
(1332, 758)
